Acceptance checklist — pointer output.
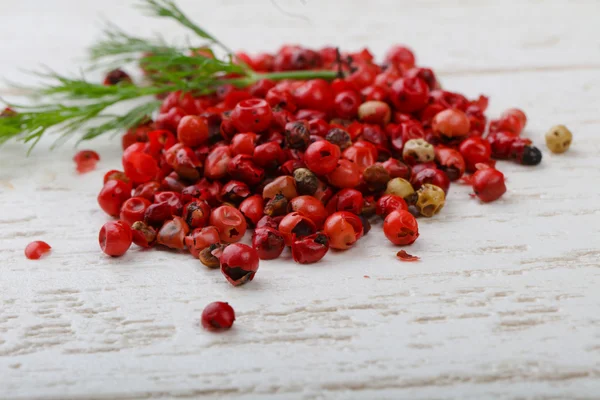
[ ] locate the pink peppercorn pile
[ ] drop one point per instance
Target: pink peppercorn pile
(303, 164)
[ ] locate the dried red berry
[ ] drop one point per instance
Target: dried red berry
(296, 225)
(217, 316)
(134, 209)
(115, 238)
(230, 222)
(239, 263)
(201, 238)
(488, 184)
(86, 160)
(268, 242)
(343, 229)
(310, 249)
(113, 195)
(172, 234)
(401, 228)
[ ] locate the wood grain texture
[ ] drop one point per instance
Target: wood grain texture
(504, 304)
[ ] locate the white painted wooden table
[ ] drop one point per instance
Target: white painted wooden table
(504, 304)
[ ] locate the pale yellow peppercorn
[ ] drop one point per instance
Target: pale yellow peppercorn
(418, 151)
(558, 139)
(399, 187)
(430, 200)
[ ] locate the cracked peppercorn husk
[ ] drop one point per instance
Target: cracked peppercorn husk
(209, 256)
(559, 139)
(430, 200)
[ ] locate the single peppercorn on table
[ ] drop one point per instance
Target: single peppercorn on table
(503, 304)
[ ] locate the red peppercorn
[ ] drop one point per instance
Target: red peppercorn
(196, 213)
(388, 203)
(397, 169)
(424, 73)
(173, 199)
(315, 94)
(139, 166)
(401, 228)
(185, 101)
(345, 175)
(242, 168)
(409, 94)
(346, 103)
(234, 192)
(134, 209)
(343, 229)
(147, 190)
(115, 77)
(375, 93)
(35, 250)
(216, 163)
(488, 184)
(517, 113)
(512, 123)
(169, 120)
(158, 213)
(252, 208)
(451, 123)
(268, 156)
(433, 176)
(160, 140)
(322, 157)
(309, 207)
(451, 162)
(363, 75)
(201, 238)
(230, 222)
(401, 56)
(362, 156)
(310, 249)
(243, 143)
(143, 235)
(350, 200)
(172, 234)
(115, 238)
(86, 160)
(269, 222)
(184, 161)
(113, 195)
(280, 99)
(217, 316)
(192, 131)
(475, 150)
(239, 263)
(296, 225)
(268, 242)
(252, 115)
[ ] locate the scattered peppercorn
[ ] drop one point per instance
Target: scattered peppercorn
(558, 139)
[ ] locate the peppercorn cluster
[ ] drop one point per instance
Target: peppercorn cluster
(305, 163)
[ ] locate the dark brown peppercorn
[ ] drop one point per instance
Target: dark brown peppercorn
(339, 137)
(297, 135)
(307, 183)
(376, 177)
(276, 206)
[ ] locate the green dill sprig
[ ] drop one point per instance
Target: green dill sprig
(75, 105)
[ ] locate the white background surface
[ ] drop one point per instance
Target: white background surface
(504, 304)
